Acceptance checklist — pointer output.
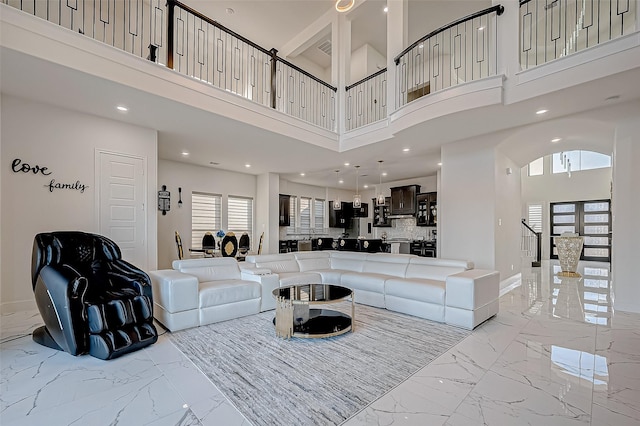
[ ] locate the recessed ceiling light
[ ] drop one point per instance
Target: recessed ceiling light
(556, 140)
(384, 173)
(439, 164)
(366, 186)
(122, 108)
(406, 149)
(340, 181)
(213, 163)
(347, 164)
(302, 174)
(247, 165)
(386, 9)
(185, 153)
(230, 11)
(542, 111)
(613, 98)
(480, 28)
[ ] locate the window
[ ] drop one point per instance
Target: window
(240, 216)
(205, 216)
(319, 208)
(293, 208)
(305, 214)
(579, 160)
(536, 167)
(535, 217)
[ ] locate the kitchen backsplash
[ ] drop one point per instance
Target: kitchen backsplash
(400, 229)
(405, 229)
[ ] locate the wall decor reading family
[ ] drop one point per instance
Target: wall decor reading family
(19, 166)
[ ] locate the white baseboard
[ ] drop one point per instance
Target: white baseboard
(510, 283)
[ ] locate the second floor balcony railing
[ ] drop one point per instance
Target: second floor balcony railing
(551, 29)
(462, 51)
(201, 47)
(170, 33)
(366, 100)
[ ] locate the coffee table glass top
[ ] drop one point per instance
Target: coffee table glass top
(313, 293)
(297, 319)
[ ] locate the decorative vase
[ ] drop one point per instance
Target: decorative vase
(569, 250)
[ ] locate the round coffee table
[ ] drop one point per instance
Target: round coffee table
(295, 317)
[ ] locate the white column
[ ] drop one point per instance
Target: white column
(397, 40)
(267, 207)
(625, 207)
(340, 64)
(508, 38)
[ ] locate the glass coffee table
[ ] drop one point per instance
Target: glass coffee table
(295, 317)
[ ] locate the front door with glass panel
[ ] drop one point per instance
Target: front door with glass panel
(590, 219)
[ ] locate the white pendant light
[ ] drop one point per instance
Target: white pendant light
(337, 204)
(380, 198)
(357, 200)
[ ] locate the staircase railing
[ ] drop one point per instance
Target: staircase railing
(459, 52)
(366, 100)
(531, 243)
(551, 29)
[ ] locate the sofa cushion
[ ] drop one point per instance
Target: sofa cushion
(387, 264)
(360, 281)
(293, 278)
(209, 269)
(313, 260)
(214, 293)
(348, 260)
(423, 290)
(277, 263)
(331, 276)
(435, 269)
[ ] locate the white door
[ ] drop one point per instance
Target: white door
(122, 197)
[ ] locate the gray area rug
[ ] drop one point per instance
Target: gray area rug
(313, 381)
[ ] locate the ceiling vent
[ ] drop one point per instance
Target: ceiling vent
(325, 47)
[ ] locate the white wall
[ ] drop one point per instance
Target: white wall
(66, 143)
(549, 188)
(365, 61)
(507, 208)
(199, 179)
(626, 231)
(467, 202)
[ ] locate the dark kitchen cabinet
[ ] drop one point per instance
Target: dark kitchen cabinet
(362, 211)
(381, 213)
(423, 248)
(427, 214)
(340, 218)
(403, 199)
(283, 210)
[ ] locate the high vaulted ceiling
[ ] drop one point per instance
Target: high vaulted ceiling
(211, 138)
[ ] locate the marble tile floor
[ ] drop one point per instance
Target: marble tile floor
(556, 354)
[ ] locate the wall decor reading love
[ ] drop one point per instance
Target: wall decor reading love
(20, 166)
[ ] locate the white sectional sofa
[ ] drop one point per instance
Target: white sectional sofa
(202, 291)
(441, 290)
